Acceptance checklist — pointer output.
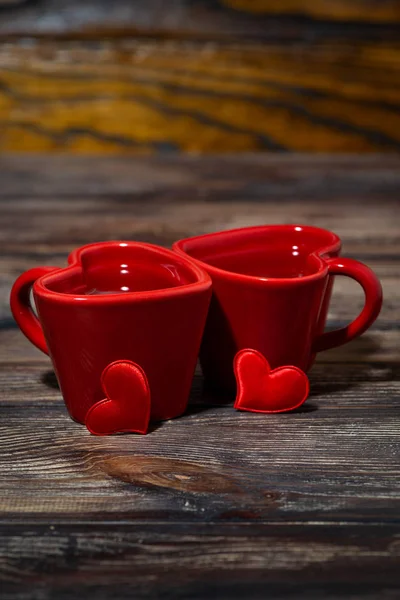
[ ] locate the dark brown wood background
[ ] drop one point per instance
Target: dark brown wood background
(199, 75)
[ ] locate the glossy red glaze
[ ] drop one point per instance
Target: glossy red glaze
(127, 405)
(118, 301)
(271, 292)
(264, 391)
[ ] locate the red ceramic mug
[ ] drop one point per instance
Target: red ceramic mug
(117, 301)
(271, 291)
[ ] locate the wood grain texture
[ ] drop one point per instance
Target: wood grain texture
(142, 97)
(254, 561)
(200, 77)
(216, 504)
(262, 19)
(341, 10)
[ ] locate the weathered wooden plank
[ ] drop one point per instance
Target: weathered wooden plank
(335, 459)
(196, 562)
(162, 218)
(211, 465)
(41, 232)
(287, 178)
(245, 18)
(145, 96)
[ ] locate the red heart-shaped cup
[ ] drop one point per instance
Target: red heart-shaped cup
(264, 391)
(127, 405)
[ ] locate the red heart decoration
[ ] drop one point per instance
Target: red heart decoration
(264, 391)
(127, 405)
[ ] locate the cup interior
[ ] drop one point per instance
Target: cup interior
(122, 268)
(269, 252)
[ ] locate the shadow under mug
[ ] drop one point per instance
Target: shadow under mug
(271, 291)
(117, 301)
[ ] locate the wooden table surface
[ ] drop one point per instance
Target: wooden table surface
(216, 504)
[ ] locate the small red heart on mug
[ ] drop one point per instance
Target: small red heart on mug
(127, 405)
(264, 391)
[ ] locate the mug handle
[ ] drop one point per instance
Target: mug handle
(21, 307)
(373, 302)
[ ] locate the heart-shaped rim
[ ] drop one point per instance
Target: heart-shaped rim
(202, 248)
(200, 280)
